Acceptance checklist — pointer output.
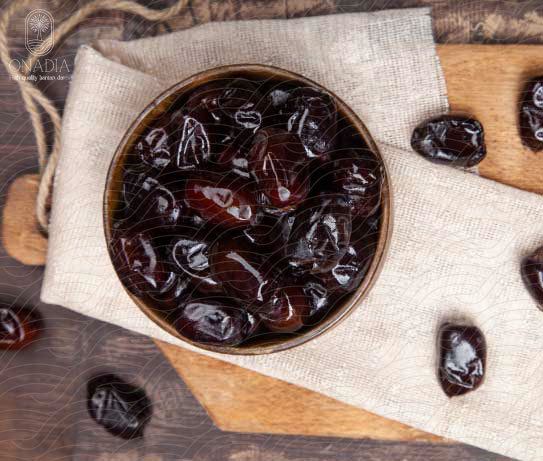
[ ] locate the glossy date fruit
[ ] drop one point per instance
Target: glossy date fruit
(197, 135)
(242, 107)
(190, 256)
(133, 179)
(222, 200)
(277, 160)
(531, 269)
(271, 233)
(178, 288)
(320, 234)
(121, 408)
(348, 272)
(206, 97)
(531, 114)
(139, 265)
(313, 117)
(236, 107)
(318, 296)
(243, 272)
(462, 358)
(18, 326)
(234, 159)
(263, 237)
(214, 321)
(278, 98)
(359, 177)
(156, 147)
(450, 139)
(151, 202)
(287, 309)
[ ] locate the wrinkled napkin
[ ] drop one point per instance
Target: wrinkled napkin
(454, 252)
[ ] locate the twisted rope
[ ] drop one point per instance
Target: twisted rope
(34, 98)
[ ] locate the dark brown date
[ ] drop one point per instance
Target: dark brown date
(206, 97)
(360, 178)
(278, 98)
(462, 359)
(121, 408)
(234, 159)
(286, 310)
(155, 148)
(152, 203)
(531, 269)
(320, 234)
(261, 236)
(319, 298)
(450, 139)
(313, 117)
(139, 265)
(531, 114)
(270, 234)
(214, 321)
(276, 159)
(349, 271)
(286, 223)
(236, 107)
(190, 256)
(179, 288)
(18, 326)
(244, 274)
(196, 130)
(223, 201)
(243, 106)
(133, 179)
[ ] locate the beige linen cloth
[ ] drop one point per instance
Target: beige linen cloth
(455, 249)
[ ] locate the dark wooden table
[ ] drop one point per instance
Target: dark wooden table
(43, 411)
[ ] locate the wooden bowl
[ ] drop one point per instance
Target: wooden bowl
(112, 200)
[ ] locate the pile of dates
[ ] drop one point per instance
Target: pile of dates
(248, 208)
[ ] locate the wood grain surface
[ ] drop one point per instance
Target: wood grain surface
(230, 393)
(21, 236)
(487, 81)
(233, 399)
(42, 407)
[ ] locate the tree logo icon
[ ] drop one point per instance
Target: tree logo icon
(39, 27)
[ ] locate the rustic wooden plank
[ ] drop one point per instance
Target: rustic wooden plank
(231, 393)
(21, 236)
(177, 418)
(487, 81)
(242, 447)
(38, 394)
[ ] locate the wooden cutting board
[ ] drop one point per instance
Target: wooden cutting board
(483, 80)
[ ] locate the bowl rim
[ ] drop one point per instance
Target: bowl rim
(351, 303)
